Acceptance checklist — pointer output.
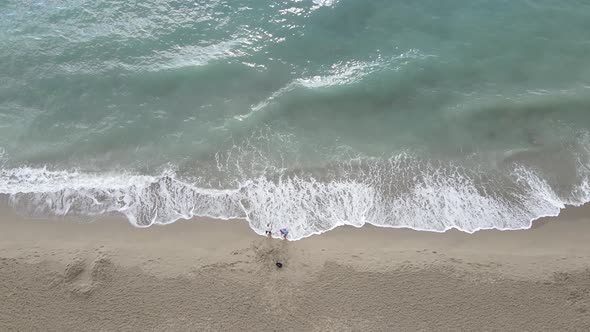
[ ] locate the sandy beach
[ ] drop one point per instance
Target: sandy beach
(205, 275)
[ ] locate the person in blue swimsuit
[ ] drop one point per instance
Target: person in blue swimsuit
(284, 233)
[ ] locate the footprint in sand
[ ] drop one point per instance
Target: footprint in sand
(83, 278)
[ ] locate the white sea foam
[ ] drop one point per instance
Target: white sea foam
(341, 74)
(323, 3)
(338, 74)
(398, 192)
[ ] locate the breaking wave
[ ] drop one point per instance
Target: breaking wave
(401, 192)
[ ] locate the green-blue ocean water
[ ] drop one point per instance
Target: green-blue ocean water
(305, 114)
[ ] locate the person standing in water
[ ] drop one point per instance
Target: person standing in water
(284, 233)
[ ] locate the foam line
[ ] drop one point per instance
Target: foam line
(430, 197)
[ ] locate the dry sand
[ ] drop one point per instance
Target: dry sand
(203, 275)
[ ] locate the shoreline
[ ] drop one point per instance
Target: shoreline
(202, 274)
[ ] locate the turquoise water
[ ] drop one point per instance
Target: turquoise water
(302, 114)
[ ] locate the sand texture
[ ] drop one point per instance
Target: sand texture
(203, 275)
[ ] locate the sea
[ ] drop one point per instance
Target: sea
(298, 114)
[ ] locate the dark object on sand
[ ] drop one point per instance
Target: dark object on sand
(279, 265)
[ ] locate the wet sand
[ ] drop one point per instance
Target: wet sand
(204, 275)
